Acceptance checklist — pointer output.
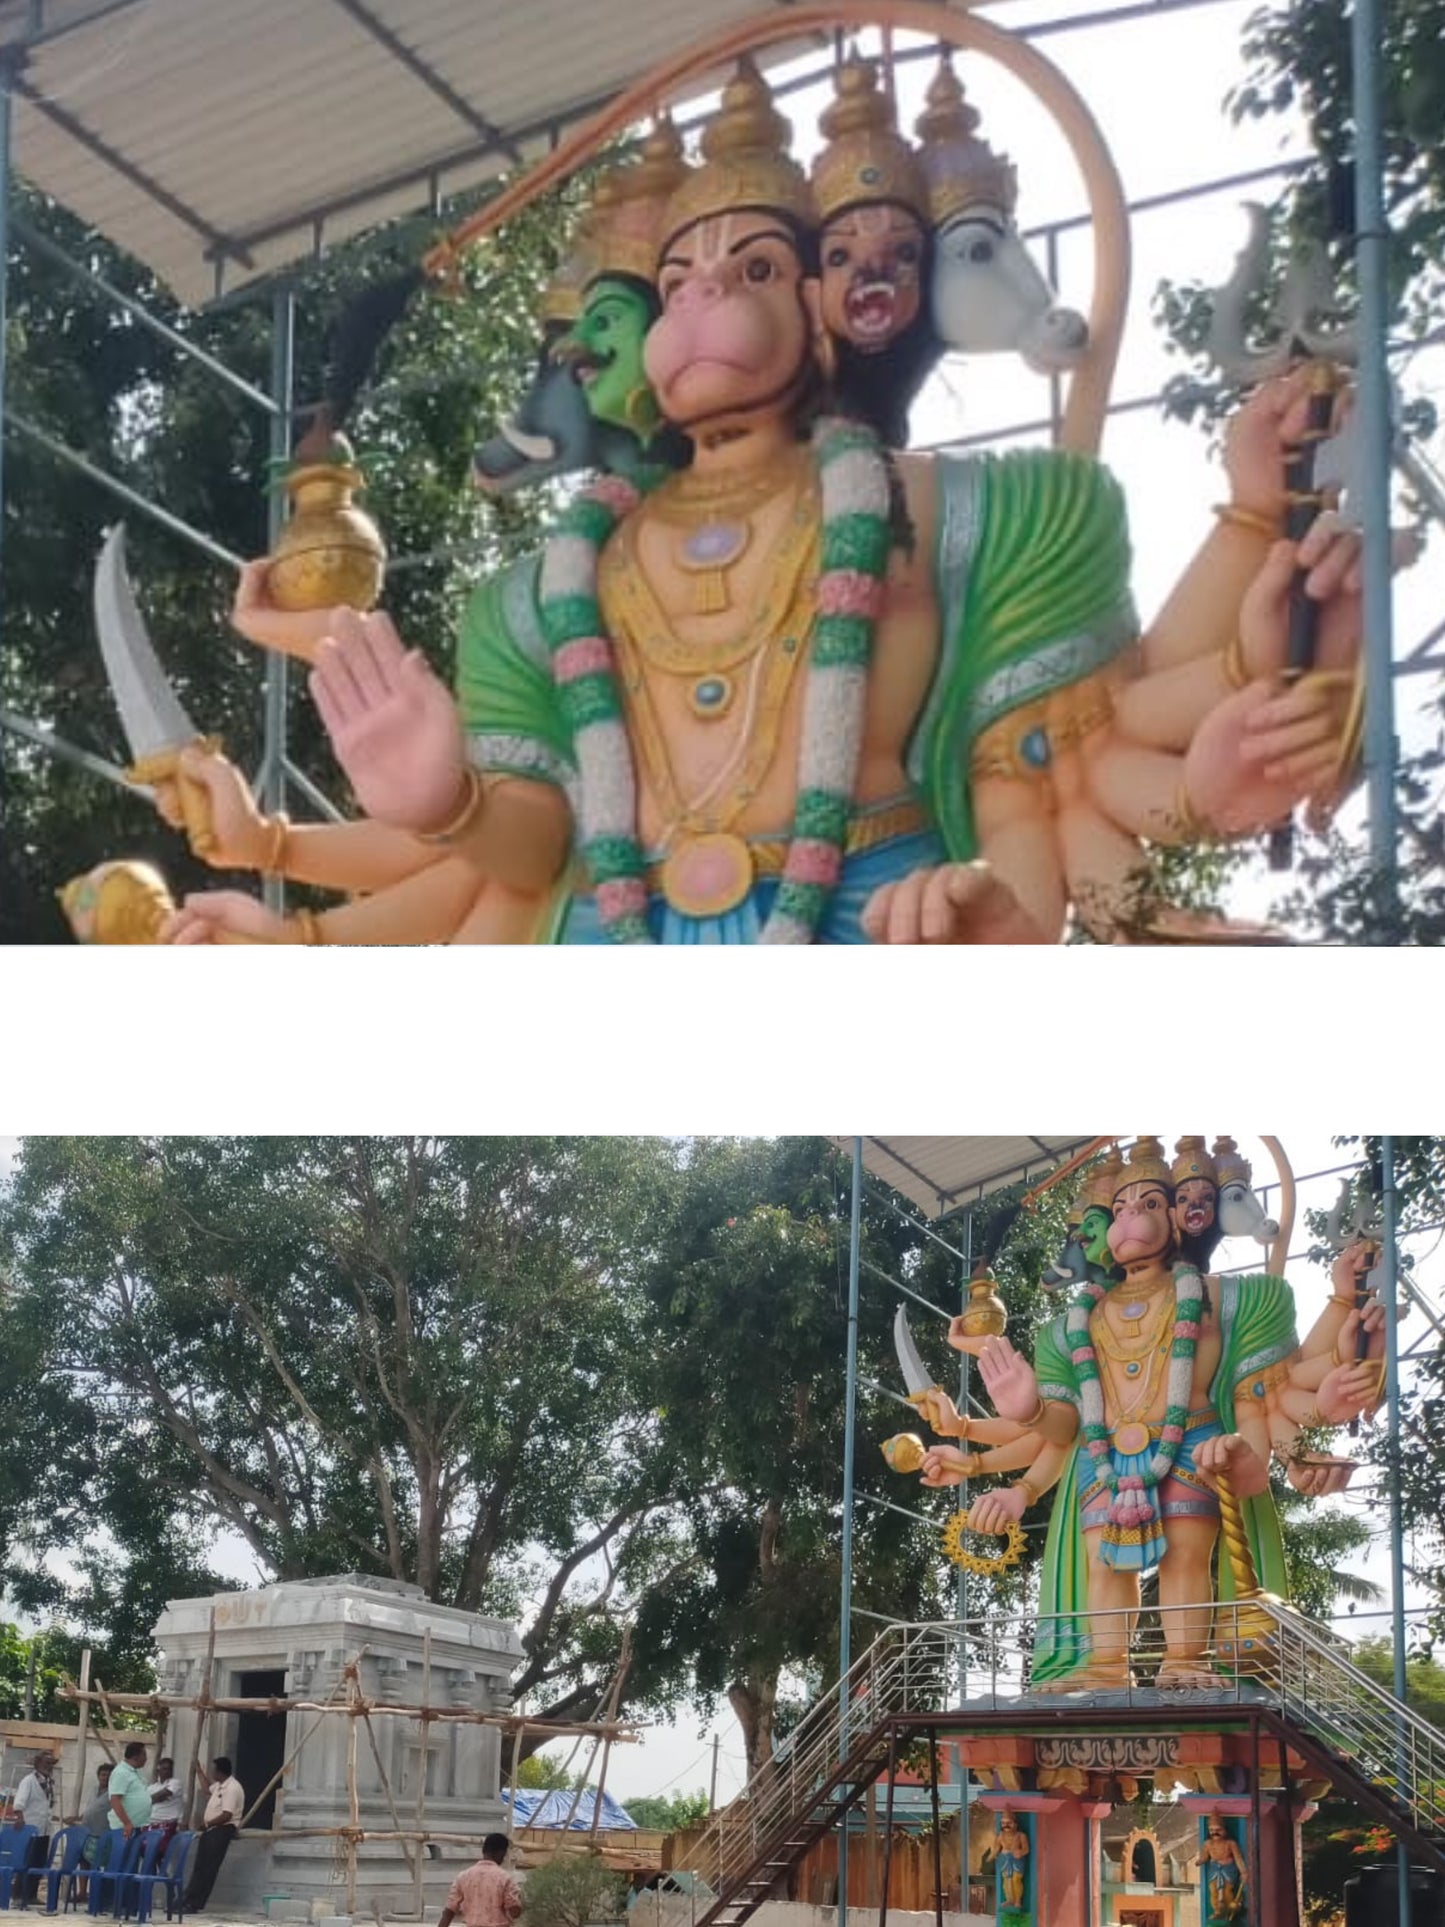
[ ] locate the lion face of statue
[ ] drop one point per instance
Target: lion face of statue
(872, 275)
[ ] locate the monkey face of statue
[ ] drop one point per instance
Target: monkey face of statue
(1195, 1202)
(872, 275)
(738, 315)
(1142, 1227)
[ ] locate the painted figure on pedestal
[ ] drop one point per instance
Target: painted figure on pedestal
(1222, 1870)
(1155, 1404)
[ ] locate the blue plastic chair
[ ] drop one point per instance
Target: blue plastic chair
(153, 1841)
(66, 1848)
(115, 1860)
(14, 1861)
(170, 1874)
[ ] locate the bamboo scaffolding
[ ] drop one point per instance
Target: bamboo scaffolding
(423, 1758)
(620, 1732)
(203, 1701)
(349, 1701)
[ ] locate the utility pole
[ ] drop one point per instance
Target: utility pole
(712, 1790)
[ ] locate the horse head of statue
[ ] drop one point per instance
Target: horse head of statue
(989, 295)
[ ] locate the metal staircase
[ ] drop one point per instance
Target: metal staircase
(1303, 1687)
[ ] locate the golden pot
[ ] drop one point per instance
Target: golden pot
(330, 551)
(985, 1315)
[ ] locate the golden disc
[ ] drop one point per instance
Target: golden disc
(707, 875)
(1131, 1438)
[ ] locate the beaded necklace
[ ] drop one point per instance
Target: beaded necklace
(856, 542)
(1131, 1500)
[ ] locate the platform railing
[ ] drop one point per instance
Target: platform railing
(1262, 1652)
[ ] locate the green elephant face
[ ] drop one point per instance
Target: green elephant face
(604, 347)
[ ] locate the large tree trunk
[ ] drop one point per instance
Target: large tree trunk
(754, 1699)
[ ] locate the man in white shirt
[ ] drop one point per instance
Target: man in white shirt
(33, 1804)
(224, 1807)
(165, 1795)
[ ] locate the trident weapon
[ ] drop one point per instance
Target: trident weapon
(156, 726)
(1304, 325)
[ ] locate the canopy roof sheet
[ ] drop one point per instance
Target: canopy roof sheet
(219, 140)
(944, 1174)
(563, 1808)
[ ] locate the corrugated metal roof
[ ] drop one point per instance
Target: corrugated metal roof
(218, 140)
(943, 1174)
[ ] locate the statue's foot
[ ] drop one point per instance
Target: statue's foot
(1094, 1676)
(1186, 1675)
(1166, 923)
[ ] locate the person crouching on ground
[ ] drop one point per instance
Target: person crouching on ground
(485, 1895)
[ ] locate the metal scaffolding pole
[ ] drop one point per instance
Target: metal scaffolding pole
(12, 59)
(273, 756)
(1390, 1264)
(850, 1429)
(1372, 238)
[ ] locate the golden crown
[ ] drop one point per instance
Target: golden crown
(745, 163)
(1191, 1160)
(1230, 1165)
(1146, 1165)
(866, 160)
(1101, 1184)
(562, 297)
(631, 202)
(961, 170)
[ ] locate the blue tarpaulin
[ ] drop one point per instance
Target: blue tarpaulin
(550, 1809)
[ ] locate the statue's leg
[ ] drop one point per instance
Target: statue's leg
(1113, 1608)
(1185, 1596)
(1016, 836)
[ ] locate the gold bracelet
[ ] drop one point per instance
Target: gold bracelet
(309, 924)
(1031, 1492)
(472, 805)
(1337, 1299)
(1191, 829)
(963, 1424)
(1236, 674)
(1241, 518)
(1038, 1412)
(277, 828)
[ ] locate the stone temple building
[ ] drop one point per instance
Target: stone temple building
(292, 1640)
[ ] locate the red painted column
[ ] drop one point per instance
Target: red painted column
(1065, 1865)
(1278, 1902)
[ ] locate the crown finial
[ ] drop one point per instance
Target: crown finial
(961, 169)
(866, 159)
(746, 163)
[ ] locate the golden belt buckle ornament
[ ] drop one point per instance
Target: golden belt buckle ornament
(708, 874)
(1132, 1438)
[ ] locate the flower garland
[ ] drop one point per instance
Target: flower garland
(856, 542)
(1130, 1500)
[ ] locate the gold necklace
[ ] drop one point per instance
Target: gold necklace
(716, 512)
(1132, 1305)
(1129, 1432)
(707, 866)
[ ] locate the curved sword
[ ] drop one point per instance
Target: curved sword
(156, 725)
(916, 1375)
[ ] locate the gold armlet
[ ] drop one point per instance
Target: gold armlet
(273, 857)
(1031, 1492)
(1039, 1411)
(1240, 518)
(309, 925)
(473, 803)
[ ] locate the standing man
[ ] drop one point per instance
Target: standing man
(165, 1796)
(130, 1797)
(224, 1807)
(484, 1895)
(32, 1806)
